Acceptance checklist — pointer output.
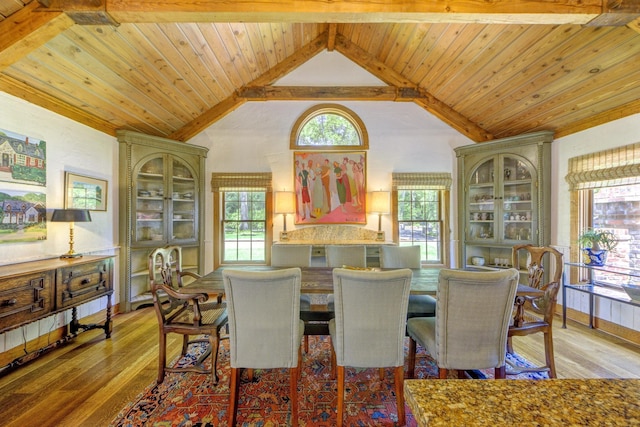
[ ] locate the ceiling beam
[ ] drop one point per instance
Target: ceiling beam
(281, 69)
(357, 11)
(82, 12)
(305, 93)
(425, 100)
(27, 30)
(34, 96)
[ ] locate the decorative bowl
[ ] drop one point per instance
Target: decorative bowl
(633, 291)
(477, 260)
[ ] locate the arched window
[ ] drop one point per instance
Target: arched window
(329, 126)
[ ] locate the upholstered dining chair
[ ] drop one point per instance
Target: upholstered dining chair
(368, 330)
(472, 318)
(185, 313)
(408, 257)
(265, 330)
(293, 255)
(346, 255)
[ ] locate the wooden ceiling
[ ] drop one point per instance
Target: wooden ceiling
(171, 68)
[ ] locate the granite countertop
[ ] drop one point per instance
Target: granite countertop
(555, 402)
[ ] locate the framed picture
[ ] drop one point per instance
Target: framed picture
(84, 192)
(330, 187)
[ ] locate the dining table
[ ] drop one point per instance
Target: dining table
(319, 280)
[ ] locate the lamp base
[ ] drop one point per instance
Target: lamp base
(284, 236)
(64, 256)
(380, 236)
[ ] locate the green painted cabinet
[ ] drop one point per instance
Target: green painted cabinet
(161, 193)
(503, 197)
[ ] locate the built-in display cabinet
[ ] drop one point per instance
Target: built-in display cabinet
(503, 197)
(161, 192)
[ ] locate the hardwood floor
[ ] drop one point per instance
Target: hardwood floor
(86, 382)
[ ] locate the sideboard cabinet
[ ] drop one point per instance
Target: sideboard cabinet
(161, 192)
(503, 197)
(31, 291)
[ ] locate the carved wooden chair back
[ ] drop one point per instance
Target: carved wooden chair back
(539, 259)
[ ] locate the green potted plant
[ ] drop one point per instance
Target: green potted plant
(596, 244)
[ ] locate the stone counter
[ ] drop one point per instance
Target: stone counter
(555, 402)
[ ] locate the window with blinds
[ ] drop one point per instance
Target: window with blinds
(420, 201)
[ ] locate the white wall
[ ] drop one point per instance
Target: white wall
(74, 148)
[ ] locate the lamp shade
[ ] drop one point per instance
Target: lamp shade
(70, 215)
(380, 202)
(285, 202)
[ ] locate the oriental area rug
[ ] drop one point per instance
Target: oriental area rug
(190, 399)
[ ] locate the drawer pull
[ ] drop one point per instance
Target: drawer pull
(85, 281)
(9, 302)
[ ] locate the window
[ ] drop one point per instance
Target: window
(420, 205)
(244, 225)
(606, 186)
(240, 224)
(329, 126)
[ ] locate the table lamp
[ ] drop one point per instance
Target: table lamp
(379, 204)
(71, 216)
(285, 204)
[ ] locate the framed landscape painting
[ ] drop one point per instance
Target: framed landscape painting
(330, 187)
(84, 192)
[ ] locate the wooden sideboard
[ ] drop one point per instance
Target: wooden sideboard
(33, 290)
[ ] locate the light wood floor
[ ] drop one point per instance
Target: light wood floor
(86, 382)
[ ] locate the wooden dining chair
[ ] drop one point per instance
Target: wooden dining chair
(265, 329)
(184, 313)
(544, 266)
(368, 330)
(470, 328)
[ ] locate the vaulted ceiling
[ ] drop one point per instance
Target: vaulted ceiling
(489, 69)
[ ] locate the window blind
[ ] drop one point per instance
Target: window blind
(608, 168)
(421, 181)
(241, 181)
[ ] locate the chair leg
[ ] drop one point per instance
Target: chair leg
(214, 343)
(500, 372)
(548, 353)
(412, 357)
(162, 356)
(294, 374)
(333, 363)
(234, 387)
(399, 380)
(340, 413)
(509, 345)
(442, 373)
(462, 375)
(185, 344)
(299, 362)
(381, 374)
(306, 344)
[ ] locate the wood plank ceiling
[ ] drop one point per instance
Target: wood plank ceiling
(489, 69)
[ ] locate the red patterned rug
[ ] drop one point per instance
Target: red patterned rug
(188, 399)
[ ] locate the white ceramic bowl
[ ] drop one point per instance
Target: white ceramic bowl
(477, 260)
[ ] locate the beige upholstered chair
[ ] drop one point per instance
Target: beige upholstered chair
(408, 257)
(346, 255)
(369, 326)
(284, 255)
(265, 330)
(472, 318)
(187, 314)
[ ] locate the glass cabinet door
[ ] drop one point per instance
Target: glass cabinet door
(482, 207)
(149, 193)
(166, 201)
(183, 202)
(518, 212)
